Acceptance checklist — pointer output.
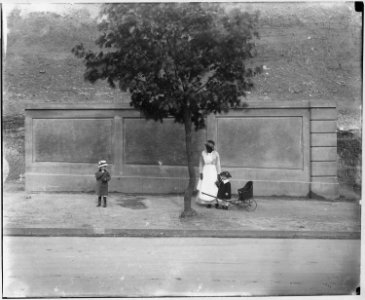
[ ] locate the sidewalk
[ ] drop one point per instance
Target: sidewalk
(76, 214)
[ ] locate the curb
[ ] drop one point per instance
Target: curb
(154, 233)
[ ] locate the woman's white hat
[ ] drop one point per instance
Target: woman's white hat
(102, 163)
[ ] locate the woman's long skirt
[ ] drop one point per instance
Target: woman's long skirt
(207, 187)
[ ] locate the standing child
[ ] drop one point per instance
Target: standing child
(102, 177)
(224, 189)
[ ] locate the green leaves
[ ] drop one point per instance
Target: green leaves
(174, 57)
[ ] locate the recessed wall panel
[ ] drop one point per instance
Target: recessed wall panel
(155, 143)
(72, 140)
(261, 142)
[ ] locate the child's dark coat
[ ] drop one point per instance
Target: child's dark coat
(102, 179)
(224, 190)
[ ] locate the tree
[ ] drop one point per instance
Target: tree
(180, 60)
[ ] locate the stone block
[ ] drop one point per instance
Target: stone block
(125, 184)
(160, 171)
(40, 182)
(323, 114)
(163, 185)
(325, 179)
(325, 190)
(275, 188)
(65, 168)
(323, 154)
(323, 140)
(323, 126)
(324, 169)
(268, 174)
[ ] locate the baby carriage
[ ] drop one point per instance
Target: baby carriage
(245, 199)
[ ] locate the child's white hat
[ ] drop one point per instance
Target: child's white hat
(102, 163)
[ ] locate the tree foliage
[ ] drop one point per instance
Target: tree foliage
(184, 60)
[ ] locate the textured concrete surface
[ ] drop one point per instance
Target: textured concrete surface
(273, 216)
(139, 267)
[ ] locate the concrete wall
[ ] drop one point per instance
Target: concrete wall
(286, 148)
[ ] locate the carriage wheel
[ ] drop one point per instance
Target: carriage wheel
(251, 204)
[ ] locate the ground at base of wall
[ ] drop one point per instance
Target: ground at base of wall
(347, 192)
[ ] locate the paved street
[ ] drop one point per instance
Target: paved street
(74, 266)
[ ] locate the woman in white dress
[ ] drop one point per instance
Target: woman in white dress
(209, 168)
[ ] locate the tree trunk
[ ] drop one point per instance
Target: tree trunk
(188, 211)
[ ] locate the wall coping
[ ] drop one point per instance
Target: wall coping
(77, 106)
(124, 106)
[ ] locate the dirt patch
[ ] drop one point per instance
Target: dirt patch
(132, 203)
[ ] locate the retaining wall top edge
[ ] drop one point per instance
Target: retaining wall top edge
(289, 104)
(125, 106)
(77, 106)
